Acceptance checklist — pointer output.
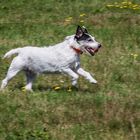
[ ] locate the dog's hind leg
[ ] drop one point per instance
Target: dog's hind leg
(30, 77)
(73, 75)
(16, 66)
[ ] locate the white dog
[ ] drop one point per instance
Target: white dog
(63, 57)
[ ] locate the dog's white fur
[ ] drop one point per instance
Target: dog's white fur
(58, 58)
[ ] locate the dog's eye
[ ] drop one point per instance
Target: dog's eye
(90, 40)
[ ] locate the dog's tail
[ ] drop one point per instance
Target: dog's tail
(11, 52)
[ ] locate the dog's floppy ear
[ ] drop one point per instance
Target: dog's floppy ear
(84, 29)
(79, 32)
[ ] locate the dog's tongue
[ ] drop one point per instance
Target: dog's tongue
(91, 50)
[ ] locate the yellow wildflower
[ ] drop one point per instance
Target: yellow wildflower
(130, 3)
(70, 18)
(135, 5)
(81, 15)
(135, 56)
(124, 2)
(23, 89)
(57, 88)
(81, 21)
(124, 6)
(69, 89)
(109, 5)
(67, 20)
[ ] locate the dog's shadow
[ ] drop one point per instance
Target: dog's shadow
(57, 88)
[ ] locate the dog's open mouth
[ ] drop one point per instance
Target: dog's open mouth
(91, 51)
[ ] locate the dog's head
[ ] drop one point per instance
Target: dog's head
(87, 43)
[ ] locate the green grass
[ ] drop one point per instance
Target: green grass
(107, 111)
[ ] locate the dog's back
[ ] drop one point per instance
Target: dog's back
(41, 59)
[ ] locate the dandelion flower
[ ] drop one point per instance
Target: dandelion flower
(109, 5)
(135, 56)
(81, 21)
(124, 2)
(130, 3)
(124, 6)
(67, 20)
(70, 18)
(81, 15)
(135, 5)
(23, 89)
(57, 88)
(69, 89)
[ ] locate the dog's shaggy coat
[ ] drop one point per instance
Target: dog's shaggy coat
(63, 57)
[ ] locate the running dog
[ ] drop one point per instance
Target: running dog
(63, 57)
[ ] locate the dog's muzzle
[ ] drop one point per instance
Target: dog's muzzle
(92, 51)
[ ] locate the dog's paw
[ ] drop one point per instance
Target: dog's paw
(93, 81)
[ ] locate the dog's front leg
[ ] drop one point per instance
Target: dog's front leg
(73, 75)
(87, 75)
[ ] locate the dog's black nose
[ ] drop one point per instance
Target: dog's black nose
(99, 46)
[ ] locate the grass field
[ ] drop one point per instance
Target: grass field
(107, 111)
